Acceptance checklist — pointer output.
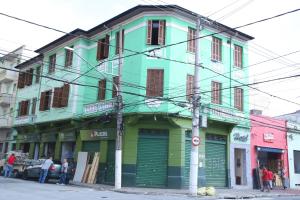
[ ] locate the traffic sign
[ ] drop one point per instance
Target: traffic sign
(195, 140)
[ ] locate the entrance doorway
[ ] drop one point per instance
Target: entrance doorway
(25, 147)
(240, 166)
(67, 150)
(49, 149)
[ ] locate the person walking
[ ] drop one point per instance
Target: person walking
(270, 173)
(265, 179)
(281, 173)
(64, 172)
(44, 170)
(9, 165)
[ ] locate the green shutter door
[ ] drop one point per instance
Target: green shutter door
(91, 146)
(215, 170)
(110, 172)
(188, 146)
(152, 159)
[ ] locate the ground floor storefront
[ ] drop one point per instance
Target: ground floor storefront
(7, 140)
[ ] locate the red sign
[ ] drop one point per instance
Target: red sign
(268, 137)
(195, 141)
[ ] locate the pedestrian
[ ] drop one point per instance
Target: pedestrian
(281, 173)
(64, 172)
(44, 169)
(9, 165)
(270, 173)
(265, 179)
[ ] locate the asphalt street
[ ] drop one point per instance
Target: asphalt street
(16, 189)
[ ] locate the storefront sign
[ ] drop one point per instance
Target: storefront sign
(268, 137)
(67, 137)
(240, 137)
(48, 137)
(28, 138)
(103, 106)
(98, 134)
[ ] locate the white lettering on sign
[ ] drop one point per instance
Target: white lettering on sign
(99, 134)
(99, 107)
(268, 137)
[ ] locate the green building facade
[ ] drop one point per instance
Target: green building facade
(75, 103)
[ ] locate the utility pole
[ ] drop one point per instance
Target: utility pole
(196, 113)
(118, 159)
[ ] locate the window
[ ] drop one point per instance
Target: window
(296, 161)
(28, 77)
(52, 63)
(103, 48)
(21, 80)
(118, 41)
(23, 108)
(216, 49)
(155, 82)
(33, 106)
(38, 74)
(191, 45)
(238, 56)
(189, 87)
(216, 92)
(45, 100)
(101, 90)
(115, 83)
(69, 57)
(238, 98)
(156, 32)
(61, 96)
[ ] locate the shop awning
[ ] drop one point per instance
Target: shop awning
(269, 149)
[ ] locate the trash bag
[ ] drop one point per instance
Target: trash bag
(210, 191)
(201, 191)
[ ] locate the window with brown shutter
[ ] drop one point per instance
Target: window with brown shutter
(38, 74)
(114, 89)
(21, 80)
(65, 95)
(191, 44)
(216, 92)
(189, 87)
(118, 41)
(45, 100)
(33, 108)
(103, 48)
(23, 108)
(42, 101)
(238, 56)
(52, 63)
(68, 57)
(216, 49)
(156, 31)
(155, 81)
(57, 97)
(238, 98)
(29, 77)
(19, 108)
(102, 89)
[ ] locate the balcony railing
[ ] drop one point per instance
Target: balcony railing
(99, 107)
(7, 76)
(5, 99)
(23, 120)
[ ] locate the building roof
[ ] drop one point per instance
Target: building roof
(137, 10)
(30, 61)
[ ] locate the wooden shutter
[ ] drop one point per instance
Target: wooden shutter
(102, 89)
(22, 108)
(117, 42)
(30, 76)
(33, 106)
(161, 32)
(19, 108)
(155, 79)
(123, 39)
(69, 57)
(106, 47)
(191, 42)
(160, 88)
(52, 63)
(65, 95)
(116, 83)
(21, 80)
(56, 97)
(42, 101)
(149, 32)
(37, 75)
(26, 109)
(99, 50)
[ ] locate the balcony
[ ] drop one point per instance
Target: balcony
(8, 76)
(99, 107)
(5, 99)
(5, 122)
(25, 120)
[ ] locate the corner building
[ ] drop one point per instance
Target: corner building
(157, 99)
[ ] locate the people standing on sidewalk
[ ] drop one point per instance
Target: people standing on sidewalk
(45, 168)
(9, 165)
(281, 173)
(270, 173)
(265, 179)
(64, 172)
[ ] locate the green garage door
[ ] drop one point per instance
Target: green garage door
(91, 146)
(188, 146)
(152, 159)
(215, 162)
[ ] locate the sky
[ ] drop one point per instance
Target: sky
(273, 38)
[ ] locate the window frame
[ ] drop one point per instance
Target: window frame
(216, 49)
(117, 50)
(296, 171)
(216, 92)
(191, 44)
(239, 98)
(161, 32)
(38, 74)
(103, 48)
(69, 57)
(155, 83)
(52, 64)
(238, 56)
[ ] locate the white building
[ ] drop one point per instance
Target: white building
(8, 87)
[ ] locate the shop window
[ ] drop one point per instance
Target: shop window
(155, 82)
(156, 32)
(191, 44)
(189, 87)
(45, 100)
(103, 48)
(297, 162)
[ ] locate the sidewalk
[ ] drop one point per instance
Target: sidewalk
(220, 193)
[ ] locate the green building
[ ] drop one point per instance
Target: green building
(69, 103)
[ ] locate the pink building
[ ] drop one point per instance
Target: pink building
(268, 143)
